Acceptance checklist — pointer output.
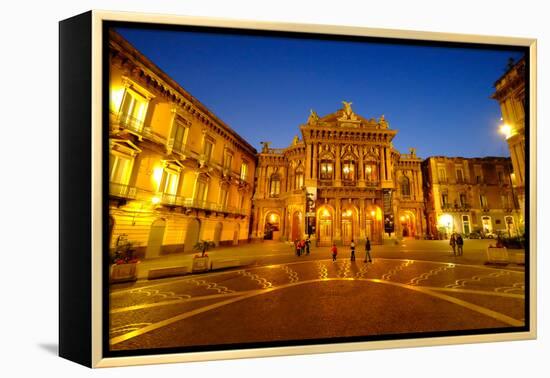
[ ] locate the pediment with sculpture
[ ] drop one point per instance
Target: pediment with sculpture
(346, 117)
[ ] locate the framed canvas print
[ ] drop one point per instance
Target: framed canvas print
(234, 189)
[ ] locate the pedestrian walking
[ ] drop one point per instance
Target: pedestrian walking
(367, 251)
(308, 245)
(297, 246)
(452, 243)
(334, 252)
(302, 246)
(459, 245)
(352, 246)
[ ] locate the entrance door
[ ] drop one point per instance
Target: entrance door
(466, 224)
(156, 236)
(192, 235)
(325, 231)
(218, 233)
(487, 225)
(346, 231)
(236, 234)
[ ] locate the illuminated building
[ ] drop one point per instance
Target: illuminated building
(357, 184)
(177, 173)
(510, 93)
(469, 194)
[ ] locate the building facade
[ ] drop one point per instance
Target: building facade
(177, 173)
(510, 93)
(341, 180)
(467, 195)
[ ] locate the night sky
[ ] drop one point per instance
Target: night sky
(438, 98)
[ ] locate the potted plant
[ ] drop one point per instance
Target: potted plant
(123, 262)
(201, 262)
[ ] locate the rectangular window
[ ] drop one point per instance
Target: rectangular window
(348, 171)
(459, 176)
(224, 194)
(500, 177)
(200, 193)
(207, 151)
(326, 171)
(132, 110)
(370, 173)
(442, 175)
(244, 171)
(463, 200)
(120, 169)
(180, 136)
(227, 160)
(444, 200)
(483, 201)
(171, 183)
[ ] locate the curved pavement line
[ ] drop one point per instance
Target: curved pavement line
(119, 310)
(208, 275)
(163, 323)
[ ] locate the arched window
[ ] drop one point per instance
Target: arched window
(299, 177)
(326, 167)
(371, 174)
(405, 186)
(274, 185)
(348, 170)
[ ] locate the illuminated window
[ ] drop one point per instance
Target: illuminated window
(405, 186)
(171, 180)
(463, 201)
(348, 170)
(275, 186)
(326, 169)
(121, 168)
(179, 133)
(299, 177)
(133, 109)
(244, 171)
(370, 172)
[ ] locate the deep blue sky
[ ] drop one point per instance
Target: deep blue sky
(438, 98)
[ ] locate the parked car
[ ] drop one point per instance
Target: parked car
(490, 235)
(475, 235)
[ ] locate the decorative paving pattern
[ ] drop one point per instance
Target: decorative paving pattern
(151, 308)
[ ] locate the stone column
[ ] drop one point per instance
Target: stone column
(308, 162)
(314, 161)
(362, 219)
(337, 167)
(361, 171)
(337, 221)
(382, 164)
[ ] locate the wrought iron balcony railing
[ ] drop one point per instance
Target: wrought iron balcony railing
(122, 191)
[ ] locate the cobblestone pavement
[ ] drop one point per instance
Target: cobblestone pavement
(315, 299)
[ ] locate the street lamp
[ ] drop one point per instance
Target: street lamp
(506, 130)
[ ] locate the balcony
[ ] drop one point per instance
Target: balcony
(458, 207)
(172, 200)
(122, 191)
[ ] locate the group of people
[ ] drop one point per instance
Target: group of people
(457, 244)
(302, 246)
(368, 258)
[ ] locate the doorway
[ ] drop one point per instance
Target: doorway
(156, 236)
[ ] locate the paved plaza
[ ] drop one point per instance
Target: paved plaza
(414, 286)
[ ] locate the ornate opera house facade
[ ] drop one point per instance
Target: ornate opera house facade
(341, 180)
